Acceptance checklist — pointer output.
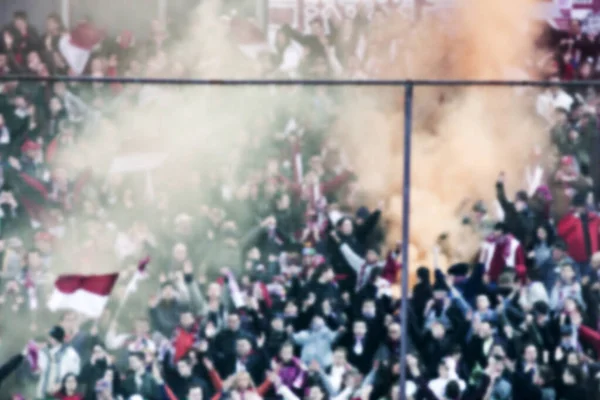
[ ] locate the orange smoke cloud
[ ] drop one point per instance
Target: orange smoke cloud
(462, 137)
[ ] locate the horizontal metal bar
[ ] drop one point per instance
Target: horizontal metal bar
(292, 82)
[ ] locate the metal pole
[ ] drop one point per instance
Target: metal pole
(287, 82)
(408, 98)
(162, 11)
(262, 16)
(65, 11)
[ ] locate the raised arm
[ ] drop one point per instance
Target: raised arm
(197, 301)
(11, 365)
(501, 194)
(354, 260)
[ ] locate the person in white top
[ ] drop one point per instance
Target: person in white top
(446, 375)
(55, 362)
(552, 99)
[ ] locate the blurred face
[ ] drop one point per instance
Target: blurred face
(318, 323)
(141, 327)
(317, 28)
(60, 176)
(485, 330)
(186, 319)
(557, 254)
(233, 322)
(277, 324)
(195, 394)
(254, 254)
(135, 363)
(573, 134)
(567, 274)
(243, 347)
(291, 309)
(443, 371)
(437, 331)
(368, 309)
(378, 17)
(572, 359)
(97, 66)
(8, 38)
(53, 342)
(496, 365)
(570, 305)
(21, 24)
(180, 252)
(98, 353)
(439, 295)
(282, 39)
(55, 105)
(52, 25)
(34, 260)
(568, 379)
(243, 381)
(286, 353)
(60, 88)
(359, 329)
(214, 290)
(346, 227)
(530, 354)
(542, 234)
(272, 167)
(70, 322)
(71, 384)
(284, 202)
(483, 303)
(328, 275)
(394, 331)
(372, 257)
(168, 293)
(520, 205)
(541, 319)
(315, 393)
(575, 27)
(339, 357)
(184, 368)
(156, 26)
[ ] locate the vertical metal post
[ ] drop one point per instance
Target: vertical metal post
(408, 99)
(65, 12)
(163, 12)
(262, 16)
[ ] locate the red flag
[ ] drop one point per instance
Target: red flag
(87, 294)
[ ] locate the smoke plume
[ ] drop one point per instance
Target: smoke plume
(462, 137)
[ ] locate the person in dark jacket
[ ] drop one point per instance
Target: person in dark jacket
(164, 312)
(421, 294)
(517, 216)
(138, 380)
(571, 386)
(253, 360)
(360, 346)
(182, 379)
(356, 237)
(225, 343)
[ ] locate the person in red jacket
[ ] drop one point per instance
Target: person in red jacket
(580, 231)
(185, 334)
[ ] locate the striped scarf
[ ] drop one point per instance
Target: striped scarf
(52, 373)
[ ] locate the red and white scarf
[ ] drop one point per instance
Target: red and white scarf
(509, 246)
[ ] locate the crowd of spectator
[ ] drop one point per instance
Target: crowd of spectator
(275, 285)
